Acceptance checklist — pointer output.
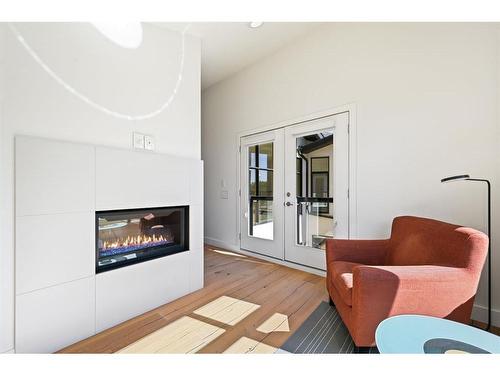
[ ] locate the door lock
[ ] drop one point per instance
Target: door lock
(288, 204)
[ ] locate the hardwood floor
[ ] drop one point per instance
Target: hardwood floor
(274, 288)
(481, 325)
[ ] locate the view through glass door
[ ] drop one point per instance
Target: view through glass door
(316, 188)
(294, 192)
(261, 187)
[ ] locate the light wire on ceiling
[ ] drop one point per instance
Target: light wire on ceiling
(89, 101)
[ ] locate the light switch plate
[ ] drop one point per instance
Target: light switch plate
(149, 143)
(138, 140)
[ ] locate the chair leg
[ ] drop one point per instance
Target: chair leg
(361, 349)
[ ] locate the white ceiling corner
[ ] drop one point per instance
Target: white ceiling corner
(228, 47)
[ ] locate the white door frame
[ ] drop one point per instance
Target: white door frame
(351, 108)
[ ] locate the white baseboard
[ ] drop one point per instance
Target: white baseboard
(236, 249)
(480, 313)
(11, 351)
(225, 245)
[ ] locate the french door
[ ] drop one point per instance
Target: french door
(262, 178)
(294, 190)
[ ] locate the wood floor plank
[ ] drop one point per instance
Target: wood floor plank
(185, 335)
(227, 310)
(275, 323)
(280, 298)
(275, 288)
(245, 345)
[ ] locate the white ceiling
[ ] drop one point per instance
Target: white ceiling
(228, 47)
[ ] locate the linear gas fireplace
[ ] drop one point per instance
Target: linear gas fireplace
(125, 237)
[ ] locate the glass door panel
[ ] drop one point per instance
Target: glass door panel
(314, 191)
(260, 172)
(316, 155)
(261, 193)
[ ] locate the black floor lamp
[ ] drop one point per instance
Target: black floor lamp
(466, 177)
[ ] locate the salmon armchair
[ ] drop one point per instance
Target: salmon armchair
(427, 267)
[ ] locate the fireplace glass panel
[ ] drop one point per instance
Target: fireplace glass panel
(125, 237)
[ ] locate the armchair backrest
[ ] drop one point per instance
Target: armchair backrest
(421, 241)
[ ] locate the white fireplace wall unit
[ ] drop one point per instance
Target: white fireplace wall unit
(59, 186)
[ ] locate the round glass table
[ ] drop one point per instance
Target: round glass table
(418, 334)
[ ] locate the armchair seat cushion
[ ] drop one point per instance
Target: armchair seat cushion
(342, 279)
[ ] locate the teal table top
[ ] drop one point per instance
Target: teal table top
(418, 334)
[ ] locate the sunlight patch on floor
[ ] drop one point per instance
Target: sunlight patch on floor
(227, 310)
(227, 253)
(185, 335)
(245, 345)
(275, 323)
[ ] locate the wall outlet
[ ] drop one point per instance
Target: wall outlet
(138, 140)
(224, 194)
(149, 143)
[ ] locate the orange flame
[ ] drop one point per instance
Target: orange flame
(135, 240)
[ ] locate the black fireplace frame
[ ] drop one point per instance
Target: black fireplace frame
(168, 250)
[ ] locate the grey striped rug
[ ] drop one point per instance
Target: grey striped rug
(322, 332)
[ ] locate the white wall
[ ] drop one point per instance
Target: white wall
(130, 81)
(426, 107)
(6, 266)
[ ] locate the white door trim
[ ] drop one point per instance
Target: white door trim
(351, 108)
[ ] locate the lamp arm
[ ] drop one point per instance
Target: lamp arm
(489, 201)
(489, 246)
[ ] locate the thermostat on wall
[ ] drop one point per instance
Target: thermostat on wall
(149, 143)
(138, 140)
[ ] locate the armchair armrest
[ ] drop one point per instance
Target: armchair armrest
(370, 252)
(392, 290)
(382, 291)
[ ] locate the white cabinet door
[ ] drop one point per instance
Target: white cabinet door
(126, 179)
(126, 292)
(54, 249)
(53, 177)
(52, 318)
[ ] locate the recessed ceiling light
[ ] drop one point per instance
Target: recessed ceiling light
(254, 25)
(125, 34)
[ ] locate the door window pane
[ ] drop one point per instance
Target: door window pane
(266, 156)
(300, 177)
(252, 188)
(251, 156)
(320, 164)
(265, 183)
(261, 190)
(314, 191)
(319, 183)
(262, 219)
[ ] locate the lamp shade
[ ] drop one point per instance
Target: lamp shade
(455, 178)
